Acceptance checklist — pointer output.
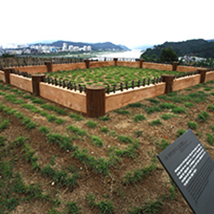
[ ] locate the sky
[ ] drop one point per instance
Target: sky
(131, 23)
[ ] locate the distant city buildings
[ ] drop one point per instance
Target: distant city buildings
(15, 49)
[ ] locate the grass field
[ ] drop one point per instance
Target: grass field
(107, 75)
(54, 160)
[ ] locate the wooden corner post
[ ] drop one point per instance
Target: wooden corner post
(36, 79)
(7, 72)
(202, 72)
(168, 79)
(49, 66)
(115, 61)
(174, 66)
(141, 63)
(87, 63)
(95, 101)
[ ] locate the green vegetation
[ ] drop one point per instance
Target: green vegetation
(139, 117)
(96, 141)
(202, 117)
(76, 117)
(103, 206)
(180, 132)
(91, 124)
(192, 124)
(200, 48)
(167, 116)
(155, 122)
(210, 139)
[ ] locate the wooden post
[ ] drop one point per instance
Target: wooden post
(87, 63)
(141, 63)
(36, 79)
(203, 72)
(168, 79)
(95, 101)
(174, 66)
(49, 66)
(7, 72)
(115, 61)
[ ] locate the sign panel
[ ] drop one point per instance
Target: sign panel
(192, 169)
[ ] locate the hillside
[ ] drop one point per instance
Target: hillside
(195, 47)
(54, 160)
(94, 46)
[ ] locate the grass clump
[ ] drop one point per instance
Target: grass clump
(152, 109)
(163, 145)
(188, 104)
(202, 117)
(210, 107)
(124, 139)
(104, 129)
(59, 121)
(153, 100)
(106, 118)
(138, 133)
(155, 122)
(139, 117)
(103, 206)
(2, 141)
(180, 132)
(91, 124)
(210, 139)
(212, 127)
(31, 107)
(122, 111)
(138, 174)
(167, 106)
(73, 208)
(51, 117)
(19, 115)
(12, 98)
(179, 110)
(4, 124)
(76, 130)
(192, 124)
(135, 105)
(76, 117)
(44, 130)
(167, 116)
(96, 141)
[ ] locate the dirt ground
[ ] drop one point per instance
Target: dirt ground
(155, 186)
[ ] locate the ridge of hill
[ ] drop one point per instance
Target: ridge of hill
(194, 47)
(94, 46)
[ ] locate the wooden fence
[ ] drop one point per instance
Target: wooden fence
(95, 101)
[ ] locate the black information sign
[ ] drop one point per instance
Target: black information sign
(192, 170)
